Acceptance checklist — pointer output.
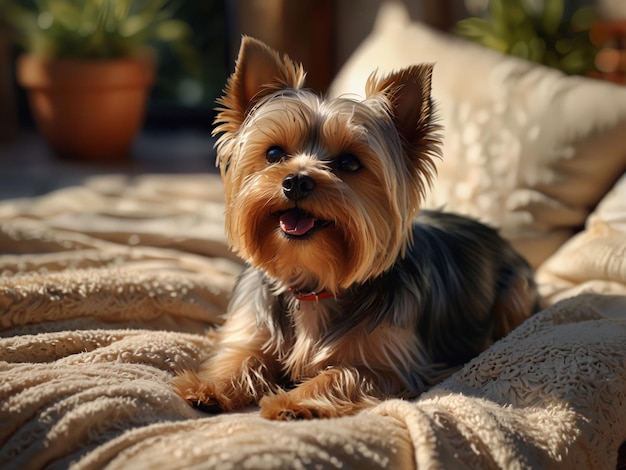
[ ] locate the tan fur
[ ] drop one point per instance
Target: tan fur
(332, 356)
(359, 217)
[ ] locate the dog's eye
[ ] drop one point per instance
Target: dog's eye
(348, 163)
(274, 154)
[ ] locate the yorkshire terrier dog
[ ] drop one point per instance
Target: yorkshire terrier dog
(350, 296)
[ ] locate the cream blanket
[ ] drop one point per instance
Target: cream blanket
(106, 290)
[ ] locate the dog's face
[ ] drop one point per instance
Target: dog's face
(321, 194)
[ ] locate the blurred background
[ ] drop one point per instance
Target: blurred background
(196, 42)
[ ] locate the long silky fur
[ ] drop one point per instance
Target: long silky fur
(408, 300)
(448, 314)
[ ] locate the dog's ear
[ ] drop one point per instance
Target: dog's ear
(259, 70)
(408, 94)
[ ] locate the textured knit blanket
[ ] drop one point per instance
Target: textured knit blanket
(108, 288)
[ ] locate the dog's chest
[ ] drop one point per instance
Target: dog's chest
(318, 338)
(305, 352)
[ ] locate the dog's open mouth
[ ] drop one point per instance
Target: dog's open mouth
(297, 223)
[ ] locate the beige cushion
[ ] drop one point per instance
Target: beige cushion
(593, 260)
(526, 148)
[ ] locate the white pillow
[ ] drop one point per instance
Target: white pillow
(526, 148)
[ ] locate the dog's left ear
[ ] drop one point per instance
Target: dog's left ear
(408, 92)
(259, 71)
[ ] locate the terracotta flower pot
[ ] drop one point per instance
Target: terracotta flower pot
(87, 109)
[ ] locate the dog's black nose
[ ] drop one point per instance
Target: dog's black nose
(298, 186)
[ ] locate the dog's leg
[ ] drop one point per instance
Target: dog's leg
(333, 392)
(237, 375)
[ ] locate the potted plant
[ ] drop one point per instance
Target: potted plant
(88, 68)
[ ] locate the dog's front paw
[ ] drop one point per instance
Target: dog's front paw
(203, 395)
(282, 406)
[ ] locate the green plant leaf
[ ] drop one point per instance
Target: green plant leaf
(122, 9)
(473, 28)
(135, 24)
(552, 16)
(64, 11)
(538, 32)
(482, 31)
(536, 49)
(172, 30)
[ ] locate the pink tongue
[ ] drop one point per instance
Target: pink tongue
(296, 223)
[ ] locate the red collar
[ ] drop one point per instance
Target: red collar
(305, 295)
